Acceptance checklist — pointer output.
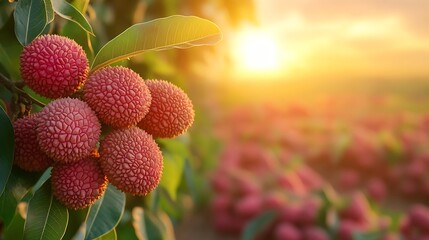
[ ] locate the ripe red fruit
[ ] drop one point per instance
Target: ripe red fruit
(245, 186)
(290, 213)
(220, 183)
(171, 112)
(308, 213)
(290, 181)
(419, 216)
(131, 160)
(348, 179)
(347, 228)
(274, 200)
(118, 95)
(67, 130)
(224, 222)
(377, 189)
(54, 66)
(28, 154)
(309, 177)
(314, 233)
(357, 209)
(286, 231)
(249, 206)
(221, 203)
(78, 184)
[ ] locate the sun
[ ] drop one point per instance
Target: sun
(256, 51)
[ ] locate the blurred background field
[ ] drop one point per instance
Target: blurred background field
(319, 111)
(312, 120)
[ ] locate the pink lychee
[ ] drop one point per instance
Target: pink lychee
(54, 66)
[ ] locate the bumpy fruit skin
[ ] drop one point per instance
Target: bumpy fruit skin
(171, 112)
(78, 184)
(28, 154)
(131, 160)
(67, 130)
(286, 231)
(54, 66)
(118, 95)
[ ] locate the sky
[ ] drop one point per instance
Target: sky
(353, 39)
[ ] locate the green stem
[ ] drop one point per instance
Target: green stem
(13, 88)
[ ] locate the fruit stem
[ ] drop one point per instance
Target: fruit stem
(15, 87)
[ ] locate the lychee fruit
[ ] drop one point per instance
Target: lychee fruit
(314, 233)
(274, 200)
(221, 202)
(220, 183)
(54, 66)
(249, 206)
(347, 228)
(224, 223)
(78, 184)
(286, 231)
(290, 213)
(419, 216)
(171, 111)
(67, 130)
(357, 210)
(377, 189)
(28, 154)
(131, 160)
(308, 212)
(118, 95)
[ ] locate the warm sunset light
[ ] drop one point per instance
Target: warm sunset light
(256, 51)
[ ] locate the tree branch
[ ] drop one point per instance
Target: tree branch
(12, 87)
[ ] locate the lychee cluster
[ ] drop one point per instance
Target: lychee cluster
(66, 133)
(263, 168)
(250, 181)
(415, 225)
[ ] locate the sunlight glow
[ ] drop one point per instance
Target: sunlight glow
(256, 51)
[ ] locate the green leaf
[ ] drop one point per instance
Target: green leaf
(368, 235)
(159, 34)
(46, 217)
(108, 236)
(6, 148)
(258, 224)
(15, 229)
(16, 188)
(147, 225)
(73, 31)
(36, 96)
(31, 18)
(105, 213)
(190, 181)
(81, 5)
(10, 50)
(69, 12)
(5, 12)
(49, 11)
(172, 174)
(80, 36)
(174, 146)
(45, 176)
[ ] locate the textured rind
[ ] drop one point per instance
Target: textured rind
(118, 95)
(28, 154)
(54, 66)
(79, 184)
(67, 130)
(171, 112)
(131, 160)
